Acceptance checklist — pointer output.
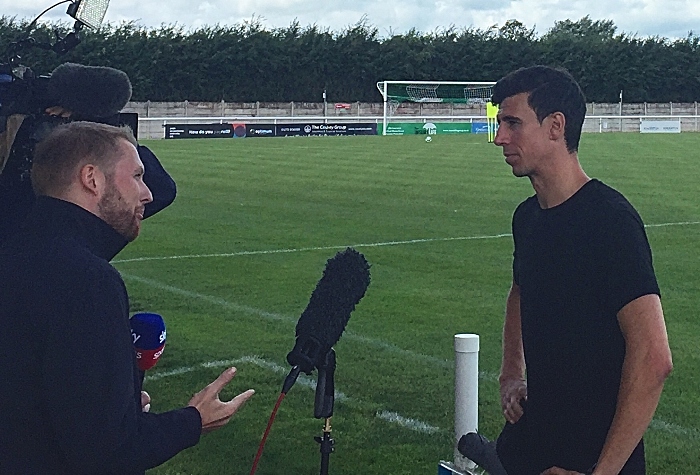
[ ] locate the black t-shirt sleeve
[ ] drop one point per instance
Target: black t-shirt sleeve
(630, 269)
(516, 230)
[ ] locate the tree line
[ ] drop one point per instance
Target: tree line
(247, 62)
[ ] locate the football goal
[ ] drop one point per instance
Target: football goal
(396, 92)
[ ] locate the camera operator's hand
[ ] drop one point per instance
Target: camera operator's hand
(513, 391)
(213, 411)
(58, 111)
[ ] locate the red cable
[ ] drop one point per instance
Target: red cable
(267, 432)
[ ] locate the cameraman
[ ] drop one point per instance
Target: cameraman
(34, 107)
(69, 383)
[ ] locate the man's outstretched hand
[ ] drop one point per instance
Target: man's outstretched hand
(213, 411)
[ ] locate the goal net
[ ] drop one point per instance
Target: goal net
(397, 92)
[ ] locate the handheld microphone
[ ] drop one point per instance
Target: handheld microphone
(343, 284)
(148, 333)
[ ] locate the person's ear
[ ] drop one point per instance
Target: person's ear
(557, 124)
(92, 179)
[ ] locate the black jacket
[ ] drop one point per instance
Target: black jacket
(69, 384)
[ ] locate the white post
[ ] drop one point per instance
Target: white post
(466, 392)
(384, 93)
(620, 110)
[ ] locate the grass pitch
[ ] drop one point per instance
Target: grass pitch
(232, 263)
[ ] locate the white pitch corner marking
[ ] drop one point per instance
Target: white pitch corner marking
(303, 380)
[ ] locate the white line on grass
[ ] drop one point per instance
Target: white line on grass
(303, 249)
(375, 244)
(674, 429)
(303, 380)
(485, 375)
(662, 225)
(291, 320)
(407, 422)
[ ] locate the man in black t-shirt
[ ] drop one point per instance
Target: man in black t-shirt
(585, 350)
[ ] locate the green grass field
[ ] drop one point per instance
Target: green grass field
(232, 263)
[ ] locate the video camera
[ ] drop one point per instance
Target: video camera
(32, 105)
(21, 91)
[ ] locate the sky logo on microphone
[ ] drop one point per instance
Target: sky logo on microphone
(148, 334)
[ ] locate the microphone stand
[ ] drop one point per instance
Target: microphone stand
(323, 407)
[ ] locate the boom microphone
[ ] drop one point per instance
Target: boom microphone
(148, 333)
(89, 92)
(344, 282)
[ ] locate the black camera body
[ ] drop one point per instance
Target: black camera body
(21, 91)
(71, 92)
(32, 106)
(25, 96)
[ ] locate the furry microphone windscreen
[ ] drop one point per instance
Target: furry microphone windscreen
(344, 282)
(89, 92)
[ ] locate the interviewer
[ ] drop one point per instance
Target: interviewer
(70, 390)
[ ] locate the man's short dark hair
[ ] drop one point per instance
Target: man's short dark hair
(549, 90)
(70, 146)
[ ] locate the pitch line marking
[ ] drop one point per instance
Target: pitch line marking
(304, 249)
(374, 244)
(656, 424)
(303, 380)
(681, 223)
(292, 321)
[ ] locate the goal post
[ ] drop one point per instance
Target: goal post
(464, 92)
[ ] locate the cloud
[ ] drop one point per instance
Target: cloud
(671, 18)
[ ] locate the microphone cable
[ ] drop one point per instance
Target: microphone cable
(288, 383)
(266, 433)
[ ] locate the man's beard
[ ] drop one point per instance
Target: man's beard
(113, 212)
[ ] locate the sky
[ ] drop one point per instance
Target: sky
(643, 18)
